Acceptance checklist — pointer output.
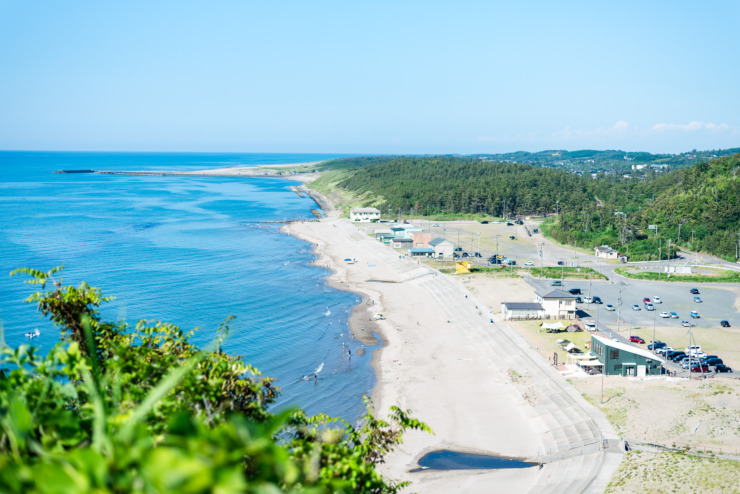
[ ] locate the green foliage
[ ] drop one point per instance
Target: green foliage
(120, 409)
(609, 210)
(436, 185)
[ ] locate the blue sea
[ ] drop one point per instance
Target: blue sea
(187, 250)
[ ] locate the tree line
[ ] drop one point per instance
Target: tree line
(695, 208)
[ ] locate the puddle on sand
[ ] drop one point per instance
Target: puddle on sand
(452, 460)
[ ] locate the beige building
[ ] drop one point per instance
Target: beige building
(557, 304)
(606, 252)
(442, 248)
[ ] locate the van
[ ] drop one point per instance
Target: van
(556, 283)
(590, 326)
(693, 350)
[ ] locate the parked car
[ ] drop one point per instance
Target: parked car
(477, 254)
(610, 307)
(560, 263)
(665, 315)
(465, 254)
(685, 324)
(656, 345)
(556, 283)
(712, 361)
(697, 300)
(575, 291)
(685, 364)
(694, 291)
(512, 237)
(694, 314)
(484, 222)
(724, 324)
(649, 306)
(458, 249)
(663, 350)
(579, 300)
(722, 368)
(636, 307)
(678, 356)
(656, 300)
(597, 300)
(674, 315)
(646, 300)
(693, 349)
(636, 339)
(672, 353)
(707, 357)
(529, 263)
(699, 368)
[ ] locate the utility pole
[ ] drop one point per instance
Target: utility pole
(654, 332)
(619, 307)
(541, 262)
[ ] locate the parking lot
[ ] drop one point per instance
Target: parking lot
(718, 303)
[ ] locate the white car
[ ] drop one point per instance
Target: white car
(656, 300)
(609, 307)
(529, 263)
(665, 315)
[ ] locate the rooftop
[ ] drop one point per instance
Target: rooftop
(627, 348)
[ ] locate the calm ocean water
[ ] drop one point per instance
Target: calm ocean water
(190, 251)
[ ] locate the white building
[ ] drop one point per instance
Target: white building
(522, 310)
(557, 304)
(364, 214)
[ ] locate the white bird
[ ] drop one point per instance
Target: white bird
(328, 312)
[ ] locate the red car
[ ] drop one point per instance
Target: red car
(699, 368)
(646, 300)
(636, 339)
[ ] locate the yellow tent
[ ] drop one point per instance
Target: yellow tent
(462, 267)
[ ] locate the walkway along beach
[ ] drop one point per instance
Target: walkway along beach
(478, 384)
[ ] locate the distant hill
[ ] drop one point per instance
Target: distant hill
(608, 161)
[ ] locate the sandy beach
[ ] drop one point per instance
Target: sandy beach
(449, 359)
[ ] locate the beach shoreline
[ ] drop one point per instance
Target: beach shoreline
(450, 360)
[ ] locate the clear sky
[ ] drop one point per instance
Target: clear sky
(369, 77)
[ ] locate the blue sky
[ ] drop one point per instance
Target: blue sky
(369, 77)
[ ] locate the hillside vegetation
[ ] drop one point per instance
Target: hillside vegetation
(703, 201)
